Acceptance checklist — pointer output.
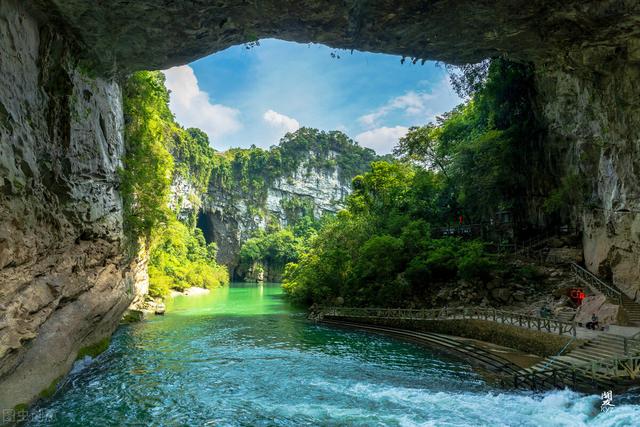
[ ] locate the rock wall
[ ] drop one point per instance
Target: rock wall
(157, 34)
(592, 106)
(184, 198)
(63, 277)
(64, 281)
(229, 218)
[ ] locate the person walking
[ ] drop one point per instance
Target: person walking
(594, 322)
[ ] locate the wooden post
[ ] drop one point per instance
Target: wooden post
(533, 381)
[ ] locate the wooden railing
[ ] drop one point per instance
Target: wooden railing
(584, 374)
(527, 247)
(542, 324)
(459, 230)
(596, 283)
(632, 344)
(588, 374)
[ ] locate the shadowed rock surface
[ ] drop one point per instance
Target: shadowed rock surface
(125, 35)
(64, 277)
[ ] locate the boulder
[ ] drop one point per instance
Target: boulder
(608, 313)
(519, 296)
(501, 294)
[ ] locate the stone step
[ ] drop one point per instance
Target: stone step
(608, 339)
(613, 348)
(594, 355)
(597, 354)
(574, 361)
(582, 357)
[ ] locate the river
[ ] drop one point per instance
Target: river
(242, 356)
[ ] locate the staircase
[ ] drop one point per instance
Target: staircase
(633, 310)
(566, 314)
(602, 347)
(611, 291)
(606, 362)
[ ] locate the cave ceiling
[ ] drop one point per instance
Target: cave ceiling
(127, 35)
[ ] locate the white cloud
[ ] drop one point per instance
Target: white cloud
(418, 105)
(193, 108)
(381, 139)
(277, 120)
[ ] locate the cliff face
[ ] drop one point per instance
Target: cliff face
(63, 277)
(156, 34)
(64, 280)
(595, 117)
(231, 216)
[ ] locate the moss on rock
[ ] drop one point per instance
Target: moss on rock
(50, 390)
(94, 350)
(20, 407)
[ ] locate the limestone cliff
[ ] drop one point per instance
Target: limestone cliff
(594, 119)
(317, 183)
(64, 275)
(584, 52)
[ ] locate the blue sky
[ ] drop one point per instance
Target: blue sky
(245, 96)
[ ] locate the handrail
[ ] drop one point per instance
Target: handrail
(552, 361)
(588, 372)
(593, 281)
(593, 371)
(632, 344)
(478, 313)
(528, 244)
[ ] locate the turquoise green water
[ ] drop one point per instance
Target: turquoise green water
(242, 356)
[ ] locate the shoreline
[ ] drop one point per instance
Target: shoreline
(490, 360)
(189, 292)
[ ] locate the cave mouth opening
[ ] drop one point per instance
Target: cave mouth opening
(251, 96)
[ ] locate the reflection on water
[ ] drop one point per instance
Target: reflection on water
(242, 356)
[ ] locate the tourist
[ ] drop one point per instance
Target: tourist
(594, 322)
(545, 312)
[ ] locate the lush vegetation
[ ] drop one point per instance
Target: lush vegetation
(158, 150)
(473, 162)
(247, 173)
(485, 148)
(180, 258)
(269, 251)
(378, 251)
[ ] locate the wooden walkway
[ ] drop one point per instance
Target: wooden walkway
(604, 362)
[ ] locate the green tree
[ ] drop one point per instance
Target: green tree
(157, 152)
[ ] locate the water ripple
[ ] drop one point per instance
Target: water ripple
(239, 357)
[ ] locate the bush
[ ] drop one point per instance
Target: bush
(180, 258)
(157, 151)
(474, 263)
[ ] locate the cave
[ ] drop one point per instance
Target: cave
(60, 148)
